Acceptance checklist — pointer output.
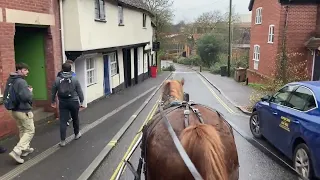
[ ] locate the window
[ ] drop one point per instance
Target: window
(302, 99)
(144, 19)
(99, 10)
(271, 34)
(256, 56)
(120, 14)
(259, 15)
(113, 63)
(91, 73)
(282, 95)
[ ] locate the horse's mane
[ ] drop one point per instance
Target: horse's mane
(204, 147)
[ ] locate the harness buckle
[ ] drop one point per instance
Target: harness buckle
(186, 112)
(197, 111)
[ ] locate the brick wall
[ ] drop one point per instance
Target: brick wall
(7, 61)
(301, 24)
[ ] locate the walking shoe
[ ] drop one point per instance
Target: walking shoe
(77, 136)
(2, 150)
(27, 152)
(16, 157)
(62, 143)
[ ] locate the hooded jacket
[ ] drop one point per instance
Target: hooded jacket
(77, 94)
(24, 95)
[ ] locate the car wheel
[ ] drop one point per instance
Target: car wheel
(255, 125)
(302, 162)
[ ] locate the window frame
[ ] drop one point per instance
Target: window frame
(258, 17)
(144, 20)
(120, 15)
(256, 56)
(271, 34)
(314, 97)
(100, 10)
(115, 62)
(94, 78)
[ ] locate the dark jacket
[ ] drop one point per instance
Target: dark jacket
(77, 94)
(24, 95)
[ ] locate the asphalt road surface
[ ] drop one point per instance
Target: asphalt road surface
(50, 162)
(258, 159)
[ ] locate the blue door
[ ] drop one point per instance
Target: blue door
(106, 75)
(279, 124)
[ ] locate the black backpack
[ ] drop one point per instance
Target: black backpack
(10, 99)
(65, 88)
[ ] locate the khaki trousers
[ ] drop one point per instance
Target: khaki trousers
(26, 130)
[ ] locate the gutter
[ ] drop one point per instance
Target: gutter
(62, 32)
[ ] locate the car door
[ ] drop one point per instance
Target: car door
(293, 115)
(271, 115)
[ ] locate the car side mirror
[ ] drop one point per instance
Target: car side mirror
(186, 97)
(266, 98)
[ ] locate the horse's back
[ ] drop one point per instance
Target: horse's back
(161, 149)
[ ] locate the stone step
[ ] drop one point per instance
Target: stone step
(41, 116)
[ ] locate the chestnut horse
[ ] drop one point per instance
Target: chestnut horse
(209, 145)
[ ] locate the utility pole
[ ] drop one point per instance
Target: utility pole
(229, 49)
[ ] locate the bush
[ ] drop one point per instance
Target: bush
(193, 60)
(169, 68)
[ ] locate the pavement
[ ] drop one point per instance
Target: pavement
(258, 159)
(99, 123)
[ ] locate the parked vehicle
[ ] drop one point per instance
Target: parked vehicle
(290, 120)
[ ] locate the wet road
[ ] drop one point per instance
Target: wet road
(255, 162)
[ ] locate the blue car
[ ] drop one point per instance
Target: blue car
(290, 120)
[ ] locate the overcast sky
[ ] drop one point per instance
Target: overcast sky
(188, 10)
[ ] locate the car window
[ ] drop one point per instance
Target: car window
(302, 99)
(282, 95)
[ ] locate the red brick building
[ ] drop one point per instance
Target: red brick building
(268, 24)
(29, 33)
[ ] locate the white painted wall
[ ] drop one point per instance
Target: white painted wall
(71, 25)
(140, 60)
(96, 90)
(132, 62)
(120, 59)
(82, 32)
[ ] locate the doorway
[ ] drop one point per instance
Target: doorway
(136, 70)
(29, 48)
(127, 66)
(316, 67)
(106, 82)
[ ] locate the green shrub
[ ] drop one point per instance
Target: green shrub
(169, 68)
(193, 60)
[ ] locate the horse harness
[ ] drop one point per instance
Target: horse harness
(169, 107)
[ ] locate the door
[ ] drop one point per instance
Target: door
(293, 115)
(80, 68)
(136, 70)
(106, 73)
(29, 48)
(277, 103)
(316, 68)
(127, 67)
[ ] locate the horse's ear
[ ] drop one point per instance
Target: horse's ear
(166, 87)
(182, 81)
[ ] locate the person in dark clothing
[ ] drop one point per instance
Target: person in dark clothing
(2, 150)
(73, 74)
(22, 110)
(67, 104)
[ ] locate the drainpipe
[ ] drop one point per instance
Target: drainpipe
(62, 32)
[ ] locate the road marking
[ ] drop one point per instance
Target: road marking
(23, 167)
(216, 96)
(149, 116)
(87, 173)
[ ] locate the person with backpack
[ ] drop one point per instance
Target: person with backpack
(73, 74)
(70, 96)
(17, 99)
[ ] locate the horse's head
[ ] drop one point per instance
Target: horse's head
(172, 91)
